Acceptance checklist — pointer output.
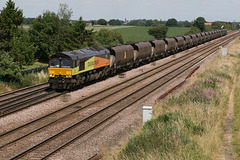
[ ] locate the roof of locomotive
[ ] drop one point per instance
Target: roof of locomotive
(81, 53)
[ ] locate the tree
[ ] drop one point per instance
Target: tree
(133, 22)
(93, 22)
(193, 30)
(102, 22)
(199, 23)
(172, 22)
(10, 19)
(158, 32)
(187, 24)
(218, 25)
(141, 23)
(22, 49)
(78, 36)
(115, 22)
(149, 23)
(28, 21)
(44, 33)
(208, 28)
(108, 38)
(9, 69)
(64, 13)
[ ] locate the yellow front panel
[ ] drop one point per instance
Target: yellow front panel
(59, 71)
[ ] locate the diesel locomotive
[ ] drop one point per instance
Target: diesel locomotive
(72, 69)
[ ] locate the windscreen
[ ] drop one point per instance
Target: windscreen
(54, 64)
(66, 64)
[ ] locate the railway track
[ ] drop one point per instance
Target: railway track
(15, 93)
(23, 98)
(89, 118)
(12, 102)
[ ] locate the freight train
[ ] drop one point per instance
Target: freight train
(72, 69)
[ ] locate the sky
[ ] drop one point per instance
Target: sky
(211, 10)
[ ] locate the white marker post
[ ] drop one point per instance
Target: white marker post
(147, 113)
(224, 51)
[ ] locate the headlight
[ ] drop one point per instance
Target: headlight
(51, 75)
(68, 75)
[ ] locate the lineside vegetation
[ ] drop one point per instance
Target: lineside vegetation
(190, 124)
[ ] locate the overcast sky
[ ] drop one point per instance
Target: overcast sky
(211, 10)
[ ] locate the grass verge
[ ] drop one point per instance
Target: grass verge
(28, 80)
(190, 124)
(236, 126)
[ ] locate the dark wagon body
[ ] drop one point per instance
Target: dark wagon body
(208, 36)
(170, 45)
(144, 50)
(180, 43)
(224, 32)
(219, 33)
(204, 37)
(158, 47)
(200, 38)
(121, 55)
(194, 39)
(188, 41)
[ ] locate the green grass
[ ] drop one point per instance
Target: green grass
(186, 125)
(28, 80)
(137, 34)
(164, 137)
(36, 64)
(26, 27)
(177, 31)
(236, 128)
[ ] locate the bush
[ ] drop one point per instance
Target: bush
(158, 32)
(109, 38)
(9, 70)
(193, 30)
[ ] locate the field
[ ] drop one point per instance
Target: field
(137, 34)
(98, 27)
(141, 33)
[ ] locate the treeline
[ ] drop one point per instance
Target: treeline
(48, 34)
(172, 22)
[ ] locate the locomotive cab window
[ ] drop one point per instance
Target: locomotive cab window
(54, 64)
(66, 64)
